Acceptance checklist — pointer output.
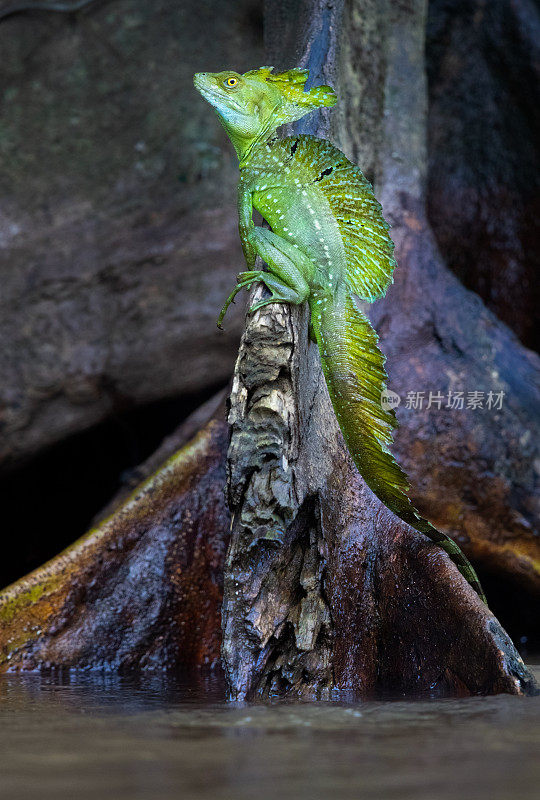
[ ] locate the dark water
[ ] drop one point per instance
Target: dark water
(125, 740)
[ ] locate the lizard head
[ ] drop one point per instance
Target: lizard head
(251, 106)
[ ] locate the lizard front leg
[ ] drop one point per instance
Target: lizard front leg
(245, 221)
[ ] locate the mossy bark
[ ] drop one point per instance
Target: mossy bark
(141, 590)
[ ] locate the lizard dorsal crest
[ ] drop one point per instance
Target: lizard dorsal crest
(296, 102)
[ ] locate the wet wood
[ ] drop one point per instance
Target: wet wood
(143, 589)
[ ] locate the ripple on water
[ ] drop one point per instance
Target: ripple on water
(104, 737)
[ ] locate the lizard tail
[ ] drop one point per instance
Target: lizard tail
(353, 366)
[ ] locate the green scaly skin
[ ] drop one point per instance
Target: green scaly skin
(328, 242)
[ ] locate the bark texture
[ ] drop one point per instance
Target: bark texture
(324, 588)
(484, 151)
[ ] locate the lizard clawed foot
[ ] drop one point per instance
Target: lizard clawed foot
(280, 292)
(245, 279)
(248, 275)
(266, 302)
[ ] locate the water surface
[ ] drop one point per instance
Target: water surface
(106, 738)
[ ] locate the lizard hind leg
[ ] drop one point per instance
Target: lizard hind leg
(288, 269)
(281, 292)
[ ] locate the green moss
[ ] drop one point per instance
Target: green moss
(15, 605)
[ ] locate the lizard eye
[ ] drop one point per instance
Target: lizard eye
(230, 82)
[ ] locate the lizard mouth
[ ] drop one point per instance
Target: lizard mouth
(214, 96)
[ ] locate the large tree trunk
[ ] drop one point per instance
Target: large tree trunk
(324, 588)
(484, 151)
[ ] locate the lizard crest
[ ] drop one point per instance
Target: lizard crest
(251, 106)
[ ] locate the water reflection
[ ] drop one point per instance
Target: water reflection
(109, 692)
(152, 737)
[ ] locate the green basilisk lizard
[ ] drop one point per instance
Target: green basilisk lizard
(328, 242)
